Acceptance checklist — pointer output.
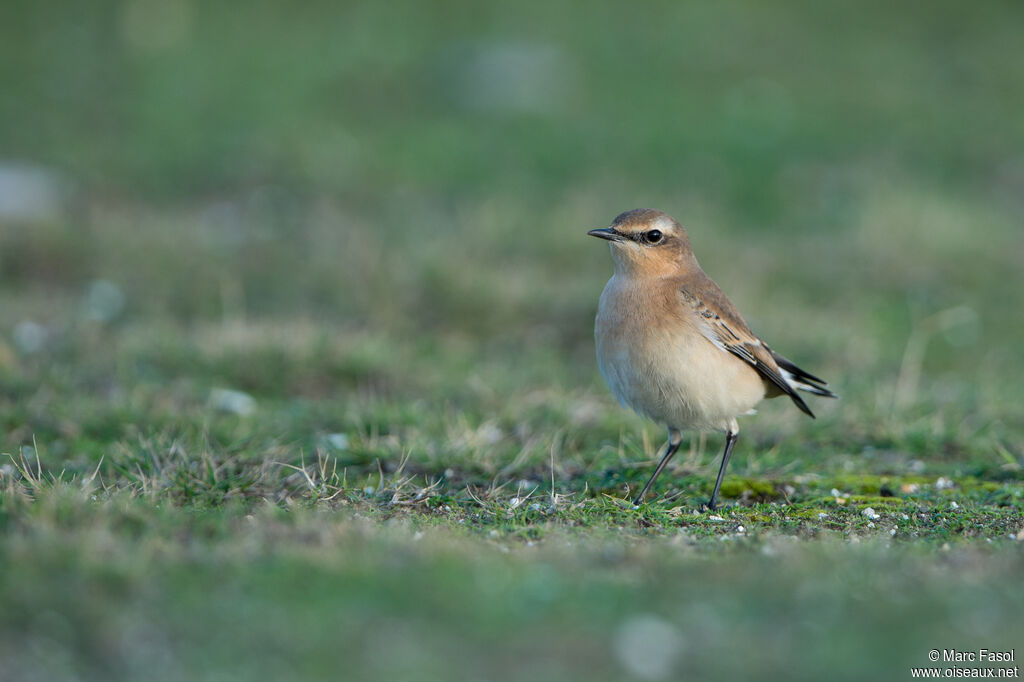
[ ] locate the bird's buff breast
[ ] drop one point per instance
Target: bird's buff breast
(655, 360)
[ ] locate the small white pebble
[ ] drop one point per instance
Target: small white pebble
(490, 433)
(822, 515)
(447, 508)
(369, 490)
(232, 402)
(893, 530)
(871, 524)
(944, 483)
(535, 506)
(740, 529)
(871, 514)
(648, 647)
(904, 517)
(29, 336)
(954, 505)
(104, 301)
(514, 502)
(715, 517)
(835, 492)
(338, 441)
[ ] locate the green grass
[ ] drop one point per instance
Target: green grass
(296, 364)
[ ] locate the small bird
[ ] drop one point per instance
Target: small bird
(672, 347)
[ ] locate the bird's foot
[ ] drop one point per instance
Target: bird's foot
(708, 506)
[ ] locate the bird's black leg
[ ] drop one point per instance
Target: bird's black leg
(730, 440)
(675, 439)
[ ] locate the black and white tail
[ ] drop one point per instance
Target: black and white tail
(798, 378)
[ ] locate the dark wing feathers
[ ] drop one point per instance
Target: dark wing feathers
(770, 373)
(727, 330)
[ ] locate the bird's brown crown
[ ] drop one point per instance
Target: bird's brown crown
(648, 241)
(641, 218)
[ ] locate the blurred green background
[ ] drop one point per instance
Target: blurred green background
(287, 288)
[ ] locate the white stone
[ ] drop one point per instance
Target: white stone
(648, 646)
(233, 402)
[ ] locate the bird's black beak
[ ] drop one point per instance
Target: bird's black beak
(609, 233)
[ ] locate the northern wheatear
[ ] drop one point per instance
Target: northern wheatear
(672, 347)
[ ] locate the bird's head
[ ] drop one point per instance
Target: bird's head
(646, 242)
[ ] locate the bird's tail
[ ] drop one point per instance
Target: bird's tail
(798, 378)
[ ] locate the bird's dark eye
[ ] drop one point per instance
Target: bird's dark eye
(653, 236)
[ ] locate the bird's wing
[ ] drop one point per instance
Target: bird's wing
(722, 325)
